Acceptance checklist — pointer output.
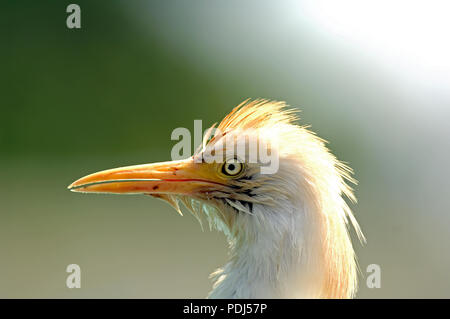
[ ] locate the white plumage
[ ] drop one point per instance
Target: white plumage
(287, 231)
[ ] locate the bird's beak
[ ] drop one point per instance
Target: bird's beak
(176, 177)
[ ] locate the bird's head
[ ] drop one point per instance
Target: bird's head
(257, 174)
(237, 166)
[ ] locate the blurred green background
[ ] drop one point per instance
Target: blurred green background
(110, 94)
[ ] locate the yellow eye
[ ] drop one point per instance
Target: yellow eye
(232, 167)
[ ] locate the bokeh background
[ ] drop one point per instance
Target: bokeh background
(373, 78)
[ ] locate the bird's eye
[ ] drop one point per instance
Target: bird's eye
(232, 167)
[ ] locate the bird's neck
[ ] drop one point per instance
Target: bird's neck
(271, 259)
(300, 250)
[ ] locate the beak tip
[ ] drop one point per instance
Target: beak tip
(72, 187)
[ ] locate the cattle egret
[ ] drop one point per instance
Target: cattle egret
(287, 230)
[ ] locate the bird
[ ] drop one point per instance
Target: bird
(288, 231)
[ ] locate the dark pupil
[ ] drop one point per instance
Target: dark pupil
(231, 167)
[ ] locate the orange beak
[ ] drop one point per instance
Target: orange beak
(177, 177)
